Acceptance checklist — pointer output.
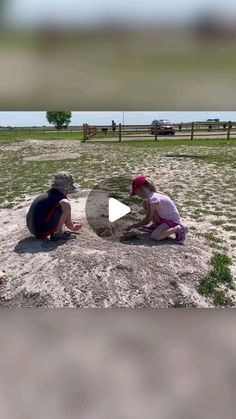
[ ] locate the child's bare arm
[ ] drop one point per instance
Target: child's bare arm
(148, 217)
(66, 217)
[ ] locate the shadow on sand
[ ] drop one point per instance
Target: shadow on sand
(186, 156)
(33, 245)
(143, 239)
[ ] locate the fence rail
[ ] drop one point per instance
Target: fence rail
(191, 131)
(38, 130)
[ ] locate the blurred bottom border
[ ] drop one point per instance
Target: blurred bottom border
(117, 364)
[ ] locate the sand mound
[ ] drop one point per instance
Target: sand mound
(89, 271)
(53, 156)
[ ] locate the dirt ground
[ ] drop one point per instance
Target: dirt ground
(89, 271)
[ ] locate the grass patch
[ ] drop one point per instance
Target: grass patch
(169, 143)
(218, 222)
(199, 190)
(24, 135)
(221, 300)
(220, 159)
(219, 276)
(212, 238)
(182, 304)
(230, 228)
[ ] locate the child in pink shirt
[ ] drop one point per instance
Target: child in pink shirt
(161, 211)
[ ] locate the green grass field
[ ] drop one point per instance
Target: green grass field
(210, 163)
(24, 135)
(199, 175)
(110, 140)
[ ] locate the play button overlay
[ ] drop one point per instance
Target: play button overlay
(110, 209)
(117, 210)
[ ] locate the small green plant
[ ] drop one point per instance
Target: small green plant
(221, 300)
(220, 275)
(207, 285)
(182, 304)
(221, 267)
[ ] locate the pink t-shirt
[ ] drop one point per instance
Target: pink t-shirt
(166, 207)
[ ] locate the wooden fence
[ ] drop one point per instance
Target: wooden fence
(187, 131)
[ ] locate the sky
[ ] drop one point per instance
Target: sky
(31, 12)
(29, 119)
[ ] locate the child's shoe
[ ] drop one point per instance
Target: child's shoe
(65, 235)
(181, 234)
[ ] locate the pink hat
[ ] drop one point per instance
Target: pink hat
(137, 182)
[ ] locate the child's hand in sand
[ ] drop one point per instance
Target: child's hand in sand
(77, 226)
(127, 229)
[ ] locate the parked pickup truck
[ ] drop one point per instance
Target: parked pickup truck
(164, 127)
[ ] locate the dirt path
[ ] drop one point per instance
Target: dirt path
(89, 271)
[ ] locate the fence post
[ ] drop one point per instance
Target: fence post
(192, 131)
(228, 130)
(120, 132)
(155, 132)
(84, 132)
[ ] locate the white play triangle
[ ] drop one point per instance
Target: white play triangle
(117, 210)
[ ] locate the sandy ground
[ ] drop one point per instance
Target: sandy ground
(89, 271)
(54, 156)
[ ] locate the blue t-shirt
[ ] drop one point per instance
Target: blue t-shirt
(45, 212)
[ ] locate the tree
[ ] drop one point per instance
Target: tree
(59, 119)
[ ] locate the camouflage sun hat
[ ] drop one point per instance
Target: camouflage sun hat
(65, 180)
